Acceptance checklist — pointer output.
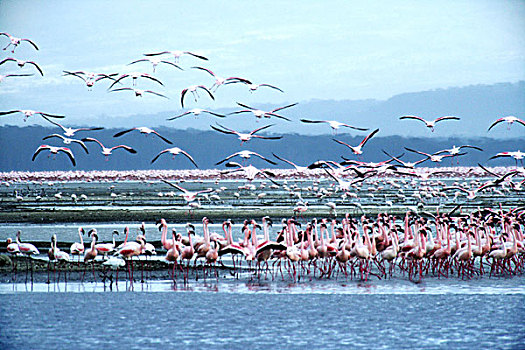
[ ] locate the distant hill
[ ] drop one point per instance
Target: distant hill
(477, 106)
(17, 145)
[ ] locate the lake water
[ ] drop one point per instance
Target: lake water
(233, 314)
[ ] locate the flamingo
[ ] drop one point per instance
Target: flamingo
(67, 141)
(250, 172)
(220, 80)
(107, 151)
(175, 151)
(245, 154)
(135, 76)
(26, 249)
(177, 54)
(55, 150)
(245, 137)
(435, 157)
(22, 63)
(69, 132)
(155, 62)
(334, 124)
(188, 196)
(193, 90)
(517, 155)
(78, 248)
(509, 120)
(13, 40)
(359, 148)
(187, 254)
(173, 253)
(29, 113)
(138, 92)
(263, 114)
(89, 78)
(430, 123)
(196, 112)
(106, 248)
(143, 130)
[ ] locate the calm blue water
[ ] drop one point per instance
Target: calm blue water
(234, 314)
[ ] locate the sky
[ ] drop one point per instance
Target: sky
(326, 50)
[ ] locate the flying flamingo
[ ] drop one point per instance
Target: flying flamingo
(138, 92)
(220, 80)
(430, 123)
(245, 137)
(435, 157)
(517, 155)
(334, 124)
(509, 120)
(107, 151)
(55, 150)
(69, 132)
(250, 172)
(22, 63)
(155, 62)
(67, 141)
(16, 41)
(263, 114)
(245, 154)
(29, 113)
(193, 90)
(359, 148)
(410, 165)
(196, 112)
(189, 196)
(175, 151)
(134, 77)
(177, 54)
(143, 130)
(90, 78)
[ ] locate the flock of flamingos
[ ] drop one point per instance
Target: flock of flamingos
(487, 241)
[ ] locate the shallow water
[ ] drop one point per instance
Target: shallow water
(236, 320)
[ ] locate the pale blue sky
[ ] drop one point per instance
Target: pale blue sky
(312, 50)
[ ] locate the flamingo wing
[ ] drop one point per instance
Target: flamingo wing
(271, 86)
(151, 77)
(81, 143)
(158, 155)
(156, 93)
(38, 150)
(245, 106)
(419, 152)
(277, 116)
(368, 137)
(120, 133)
(206, 70)
(207, 90)
(174, 185)
(69, 154)
(118, 81)
(171, 64)
(9, 112)
(261, 128)
(195, 55)
(264, 158)
(284, 107)
(179, 116)
(227, 158)
(31, 42)
(51, 115)
(91, 139)
(354, 127)
(413, 117)
(343, 143)
(284, 160)
(448, 117)
(182, 94)
(127, 148)
(495, 123)
(216, 114)
(162, 137)
(137, 61)
(189, 157)
(226, 131)
(37, 67)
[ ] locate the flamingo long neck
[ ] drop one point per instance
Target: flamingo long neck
(254, 236)
(127, 234)
(266, 232)
(113, 239)
(93, 241)
(80, 235)
(206, 233)
(333, 240)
